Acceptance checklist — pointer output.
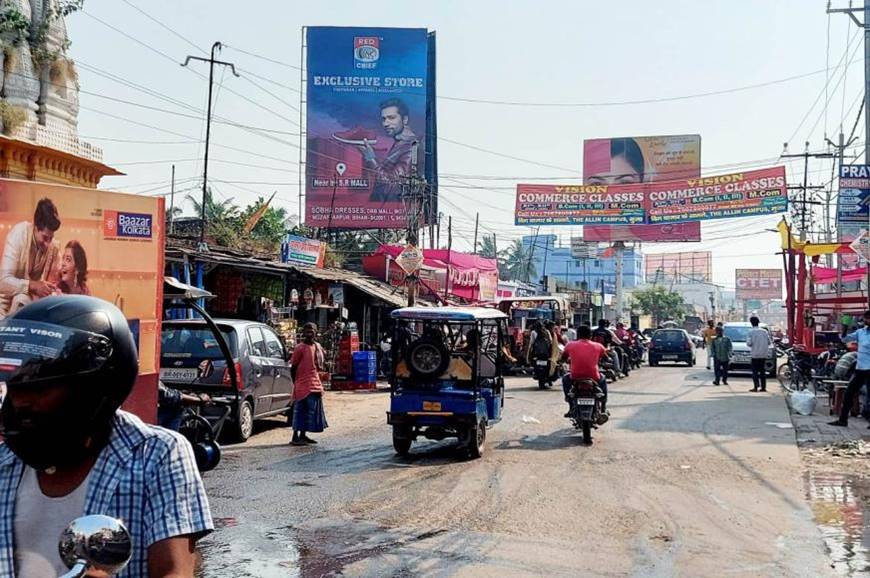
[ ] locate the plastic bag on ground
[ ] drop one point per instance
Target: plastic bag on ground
(802, 402)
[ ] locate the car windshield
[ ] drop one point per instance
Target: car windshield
(668, 337)
(736, 332)
(184, 341)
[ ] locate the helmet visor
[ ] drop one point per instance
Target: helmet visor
(34, 352)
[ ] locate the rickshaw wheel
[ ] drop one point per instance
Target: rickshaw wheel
(401, 443)
(477, 439)
(427, 357)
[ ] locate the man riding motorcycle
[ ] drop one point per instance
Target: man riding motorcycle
(69, 362)
(605, 337)
(584, 356)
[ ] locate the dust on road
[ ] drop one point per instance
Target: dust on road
(686, 479)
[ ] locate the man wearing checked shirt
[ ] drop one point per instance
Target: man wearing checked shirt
(862, 369)
(68, 363)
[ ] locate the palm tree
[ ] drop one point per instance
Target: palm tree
(223, 219)
(488, 250)
(519, 262)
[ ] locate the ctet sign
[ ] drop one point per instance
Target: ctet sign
(410, 259)
(758, 284)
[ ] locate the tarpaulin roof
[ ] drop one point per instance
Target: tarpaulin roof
(440, 258)
(829, 274)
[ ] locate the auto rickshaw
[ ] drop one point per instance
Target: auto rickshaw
(446, 378)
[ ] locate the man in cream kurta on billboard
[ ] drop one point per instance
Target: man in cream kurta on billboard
(30, 266)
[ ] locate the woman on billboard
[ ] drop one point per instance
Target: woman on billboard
(625, 165)
(74, 270)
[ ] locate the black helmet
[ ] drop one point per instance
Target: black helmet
(80, 344)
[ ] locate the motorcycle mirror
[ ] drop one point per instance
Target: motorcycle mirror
(95, 544)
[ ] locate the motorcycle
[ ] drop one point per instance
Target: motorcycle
(586, 398)
(95, 545)
(542, 374)
(608, 370)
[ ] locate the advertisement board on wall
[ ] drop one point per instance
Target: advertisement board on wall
(302, 251)
(367, 123)
(745, 194)
(853, 201)
(642, 159)
(761, 284)
(109, 245)
(684, 267)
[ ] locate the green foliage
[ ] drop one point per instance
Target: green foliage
(12, 117)
(488, 250)
(53, 10)
(660, 303)
(14, 28)
(270, 229)
(518, 262)
(223, 219)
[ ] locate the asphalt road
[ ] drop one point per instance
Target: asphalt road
(687, 479)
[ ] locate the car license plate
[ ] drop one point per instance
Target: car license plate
(176, 374)
(431, 406)
(542, 362)
(669, 356)
(585, 401)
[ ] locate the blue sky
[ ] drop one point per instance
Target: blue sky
(532, 52)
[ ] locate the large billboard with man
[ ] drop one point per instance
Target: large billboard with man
(644, 159)
(366, 128)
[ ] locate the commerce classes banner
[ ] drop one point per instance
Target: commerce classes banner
(744, 194)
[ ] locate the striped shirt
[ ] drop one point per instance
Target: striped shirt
(146, 476)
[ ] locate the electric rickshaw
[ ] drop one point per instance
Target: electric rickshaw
(446, 378)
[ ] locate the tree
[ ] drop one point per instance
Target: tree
(519, 262)
(223, 219)
(660, 303)
(267, 234)
(488, 250)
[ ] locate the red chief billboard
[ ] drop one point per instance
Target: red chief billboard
(646, 159)
(758, 284)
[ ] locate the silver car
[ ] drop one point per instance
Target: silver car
(738, 331)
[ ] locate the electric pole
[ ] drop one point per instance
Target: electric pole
(211, 62)
(172, 203)
(803, 202)
(866, 27)
(413, 197)
(476, 223)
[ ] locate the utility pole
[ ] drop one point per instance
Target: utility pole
(449, 249)
(803, 202)
(618, 262)
(413, 191)
(476, 223)
(211, 62)
(866, 27)
(172, 203)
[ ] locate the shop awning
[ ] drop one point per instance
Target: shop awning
(387, 293)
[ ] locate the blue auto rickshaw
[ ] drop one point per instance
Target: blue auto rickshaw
(446, 378)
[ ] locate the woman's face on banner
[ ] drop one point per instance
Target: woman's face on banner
(68, 267)
(621, 173)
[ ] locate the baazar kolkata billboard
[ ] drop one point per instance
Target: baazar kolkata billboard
(762, 284)
(645, 159)
(745, 194)
(370, 123)
(105, 244)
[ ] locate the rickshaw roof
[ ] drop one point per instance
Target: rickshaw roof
(448, 313)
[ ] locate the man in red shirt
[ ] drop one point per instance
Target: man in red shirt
(584, 355)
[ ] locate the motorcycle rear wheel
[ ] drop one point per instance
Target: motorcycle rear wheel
(587, 432)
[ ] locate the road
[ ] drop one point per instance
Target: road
(687, 479)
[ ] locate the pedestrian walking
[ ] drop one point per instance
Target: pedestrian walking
(306, 363)
(709, 334)
(862, 369)
(759, 346)
(720, 350)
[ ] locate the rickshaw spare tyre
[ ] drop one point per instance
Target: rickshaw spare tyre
(427, 357)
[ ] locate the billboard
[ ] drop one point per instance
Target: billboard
(367, 124)
(746, 194)
(302, 251)
(642, 159)
(854, 198)
(683, 267)
(577, 205)
(109, 245)
(761, 284)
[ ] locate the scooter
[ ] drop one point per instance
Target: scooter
(586, 412)
(541, 372)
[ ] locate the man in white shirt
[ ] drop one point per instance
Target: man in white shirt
(759, 345)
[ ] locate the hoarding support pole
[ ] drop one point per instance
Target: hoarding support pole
(867, 113)
(172, 203)
(476, 223)
(211, 62)
(620, 249)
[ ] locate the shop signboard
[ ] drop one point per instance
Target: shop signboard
(854, 196)
(367, 96)
(109, 245)
(758, 284)
(302, 251)
(410, 259)
(336, 294)
(861, 246)
(644, 159)
(745, 194)
(583, 250)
